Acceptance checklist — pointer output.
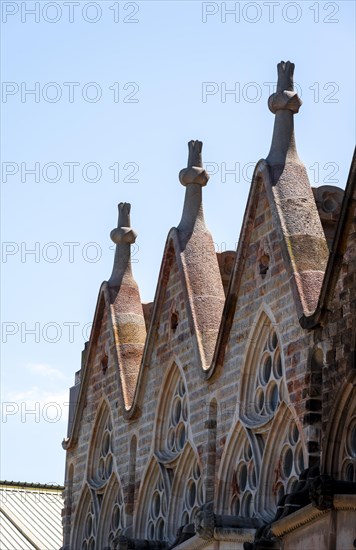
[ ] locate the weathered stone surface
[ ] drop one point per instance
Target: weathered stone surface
(235, 397)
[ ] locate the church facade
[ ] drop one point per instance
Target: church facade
(223, 414)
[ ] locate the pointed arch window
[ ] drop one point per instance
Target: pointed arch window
(100, 517)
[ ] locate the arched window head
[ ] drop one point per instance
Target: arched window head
(243, 482)
(172, 416)
(88, 542)
(117, 520)
(282, 463)
(101, 450)
(157, 512)
(193, 495)
(263, 385)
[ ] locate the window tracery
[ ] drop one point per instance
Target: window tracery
(88, 542)
(244, 482)
(157, 512)
(290, 463)
(264, 454)
(117, 521)
(349, 451)
(268, 389)
(101, 521)
(177, 428)
(193, 495)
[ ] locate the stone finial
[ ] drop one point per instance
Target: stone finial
(194, 173)
(123, 233)
(285, 98)
(123, 236)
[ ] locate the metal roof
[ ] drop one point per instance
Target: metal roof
(30, 516)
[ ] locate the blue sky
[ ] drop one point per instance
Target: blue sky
(119, 88)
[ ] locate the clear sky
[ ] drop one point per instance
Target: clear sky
(118, 89)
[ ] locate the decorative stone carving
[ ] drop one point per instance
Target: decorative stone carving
(194, 173)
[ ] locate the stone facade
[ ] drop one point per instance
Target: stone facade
(223, 415)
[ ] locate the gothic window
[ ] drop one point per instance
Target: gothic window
(193, 497)
(151, 516)
(117, 522)
(157, 512)
(264, 454)
(88, 541)
(178, 416)
(349, 451)
(268, 390)
(85, 522)
(243, 483)
(100, 516)
(290, 464)
(103, 457)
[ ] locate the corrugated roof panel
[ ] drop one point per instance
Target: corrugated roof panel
(37, 512)
(11, 538)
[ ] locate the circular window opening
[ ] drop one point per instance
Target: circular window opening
(242, 477)
(287, 461)
(272, 396)
(155, 505)
(266, 369)
(293, 434)
(116, 517)
(105, 446)
(273, 340)
(181, 388)
(180, 436)
(329, 205)
(88, 525)
(176, 411)
(191, 494)
(185, 409)
(196, 471)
